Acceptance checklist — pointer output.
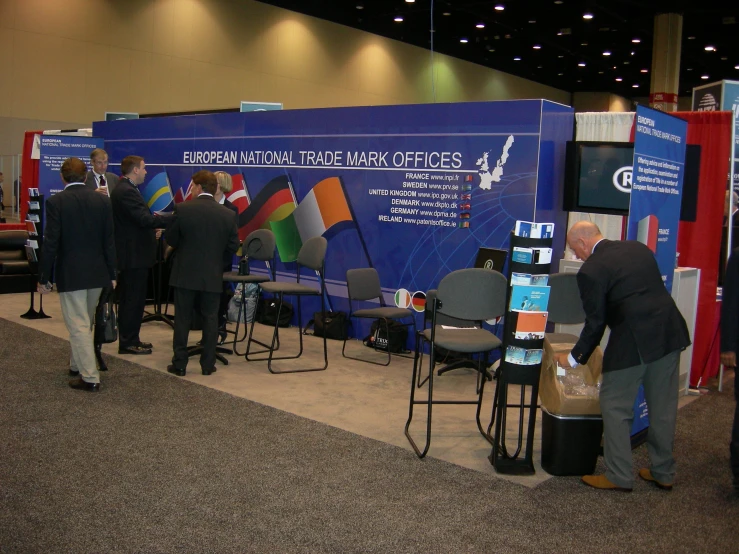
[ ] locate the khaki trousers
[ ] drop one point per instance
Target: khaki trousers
(78, 309)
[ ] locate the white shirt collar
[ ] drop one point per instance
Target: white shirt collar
(596, 244)
(72, 184)
(222, 200)
(205, 194)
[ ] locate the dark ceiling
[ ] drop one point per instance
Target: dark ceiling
(557, 27)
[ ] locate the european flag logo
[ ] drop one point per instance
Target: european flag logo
(157, 194)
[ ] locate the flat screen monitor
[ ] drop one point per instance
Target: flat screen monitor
(491, 258)
(598, 178)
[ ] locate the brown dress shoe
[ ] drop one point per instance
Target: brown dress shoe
(602, 482)
(646, 474)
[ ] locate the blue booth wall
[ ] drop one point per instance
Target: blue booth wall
(406, 173)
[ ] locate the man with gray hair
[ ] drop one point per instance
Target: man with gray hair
(621, 287)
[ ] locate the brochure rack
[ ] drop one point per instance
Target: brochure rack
(35, 215)
(526, 375)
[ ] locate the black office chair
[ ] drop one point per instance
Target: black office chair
(312, 255)
(565, 306)
(259, 245)
(364, 285)
(467, 294)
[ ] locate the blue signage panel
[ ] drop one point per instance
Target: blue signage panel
(657, 184)
(730, 102)
(412, 191)
(260, 106)
(54, 149)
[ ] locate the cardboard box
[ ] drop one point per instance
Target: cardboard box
(560, 399)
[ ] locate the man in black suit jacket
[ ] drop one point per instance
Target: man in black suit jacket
(79, 238)
(203, 233)
(136, 247)
(730, 347)
(621, 287)
(99, 178)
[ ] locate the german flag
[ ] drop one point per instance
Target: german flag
(274, 202)
(419, 301)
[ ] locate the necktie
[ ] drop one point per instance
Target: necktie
(102, 180)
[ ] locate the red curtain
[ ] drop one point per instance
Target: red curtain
(699, 242)
(29, 171)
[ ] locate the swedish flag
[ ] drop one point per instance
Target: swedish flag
(158, 193)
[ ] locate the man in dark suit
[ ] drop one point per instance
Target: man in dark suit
(79, 238)
(730, 347)
(136, 247)
(621, 287)
(202, 234)
(100, 179)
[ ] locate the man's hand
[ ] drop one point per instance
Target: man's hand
(563, 360)
(159, 233)
(102, 190)
(728, 359)
(43, 289)
(114, 283)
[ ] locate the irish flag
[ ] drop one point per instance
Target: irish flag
(322, 208)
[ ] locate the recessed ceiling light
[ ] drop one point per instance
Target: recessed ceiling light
(398, 19)
(507, 36)
(606, 53)
(560, 56)
(583, 44)
(614, 67)
(710, 48)
(600, 73)
(644, 71)
(559, 34)
(632, 52)
(532, 21)
(480, 25)
(581, 64)
(627, 63)
(691, 38)
(491, 49)
(724, 58)
(446, 13)
(587, 15)
(635, 86)
(579, 80)
(736, 67)
(516, 59)
(539, 66)
(410, 1)
(463, 40)
(360, 7)
(704, 77)
(537, 47)
(619, 79)
(558, 2)
(636, 40)
(499, 7)
(560, 74)
(689, 69)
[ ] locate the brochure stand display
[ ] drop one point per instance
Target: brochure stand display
(523, 342)
(34, 226)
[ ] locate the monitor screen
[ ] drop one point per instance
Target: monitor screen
(598, 178)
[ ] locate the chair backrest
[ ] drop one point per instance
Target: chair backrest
(565, 305)
(441, 317)
(260, 245)
(476, 294)
(363, 284)
(313, 253)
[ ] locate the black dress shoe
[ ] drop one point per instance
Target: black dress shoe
(133, 350)
(79, 384)
(209, 371)
(176, 371)
(145, 345)
(73, 373)
(99, 357)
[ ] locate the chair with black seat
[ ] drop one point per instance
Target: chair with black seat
(258, 245)
(565, 306)
(468, 294)
(312, 255)
(364, 285)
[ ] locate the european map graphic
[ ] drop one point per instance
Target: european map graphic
(488, 177)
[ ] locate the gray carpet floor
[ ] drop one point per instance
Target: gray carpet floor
(156, 464)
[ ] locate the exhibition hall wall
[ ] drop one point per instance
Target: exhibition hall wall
(74, 60)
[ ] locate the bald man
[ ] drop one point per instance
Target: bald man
(621, 287)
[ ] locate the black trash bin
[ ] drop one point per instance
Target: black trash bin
(570, 444)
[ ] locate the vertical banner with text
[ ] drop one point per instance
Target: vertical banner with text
(656, 191)
(54, 149)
